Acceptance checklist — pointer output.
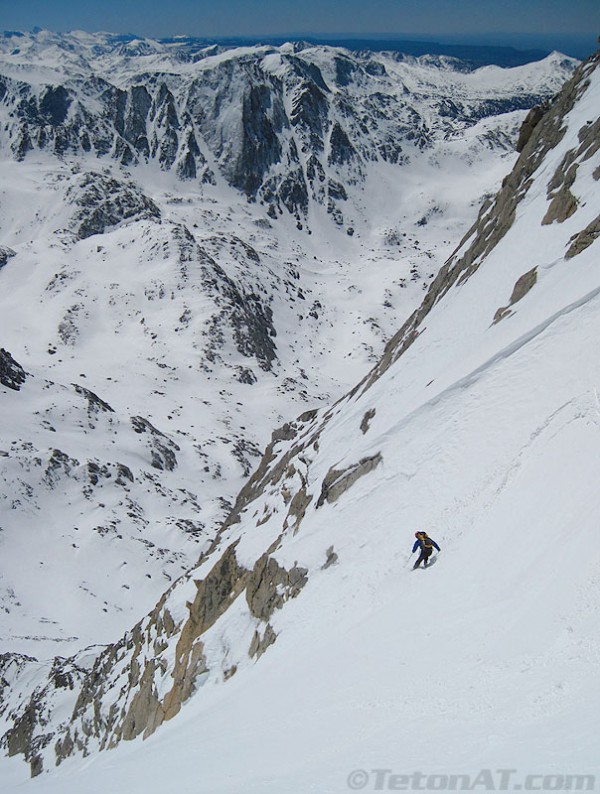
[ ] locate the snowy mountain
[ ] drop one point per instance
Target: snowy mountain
(301, 647)
(302, 653)
(178, 277)
(289, 126)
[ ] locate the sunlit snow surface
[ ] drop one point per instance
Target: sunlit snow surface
(489, 437)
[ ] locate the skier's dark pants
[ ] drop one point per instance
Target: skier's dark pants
(424, 556)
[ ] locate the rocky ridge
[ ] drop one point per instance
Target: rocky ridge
(290, 127)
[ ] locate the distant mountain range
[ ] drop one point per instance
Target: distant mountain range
(472, 54)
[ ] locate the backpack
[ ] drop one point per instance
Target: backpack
(426, 542)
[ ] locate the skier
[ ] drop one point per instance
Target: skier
(426, 545)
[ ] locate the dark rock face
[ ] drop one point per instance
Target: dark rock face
(59, 465)
(105, 202)
(563, 203)
(134, 121)
(241, 315)
(5, 254)
(293, 193)
(270, 585)
(532, 119)
(562, 206)
(341, 150)
(493, 107)
(345, 69)
(309, 116)
(239, 112)
(522, 286)
(337, 481)
(54, 105)
(162, 449)
(375, 69)
(254, 331)
(164, 116)
(95, 404)
(12, 374)
(260, 145)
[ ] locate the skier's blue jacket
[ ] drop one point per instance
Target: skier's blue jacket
(419, 544)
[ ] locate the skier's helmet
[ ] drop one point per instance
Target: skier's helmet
(417, 534)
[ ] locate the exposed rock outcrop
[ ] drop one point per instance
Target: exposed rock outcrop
(162, 448)
(270, 585)
(584, 238)
(522, 286)
(338, 481)
(32, 729)
(5, 254)
(532, 119)
(105, 202)
(12, 374)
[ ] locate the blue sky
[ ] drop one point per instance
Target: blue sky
(525, 22)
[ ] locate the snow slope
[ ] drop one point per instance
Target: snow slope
(482, 428)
